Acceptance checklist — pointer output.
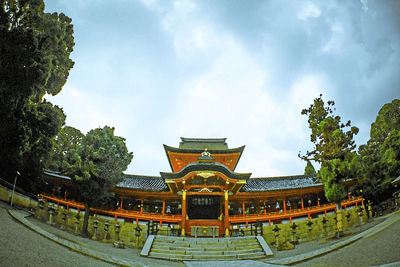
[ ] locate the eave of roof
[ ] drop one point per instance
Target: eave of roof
(199, 151)
(205, 166)
(202, 143)
(56, 175)
(267, 184)
(143, 183)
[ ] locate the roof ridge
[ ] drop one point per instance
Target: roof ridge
(287, 177)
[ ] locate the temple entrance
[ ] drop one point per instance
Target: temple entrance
(204, 207)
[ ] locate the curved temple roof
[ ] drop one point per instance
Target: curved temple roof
(265, 184)
(205, 166)
(279, 183)
(144, 183)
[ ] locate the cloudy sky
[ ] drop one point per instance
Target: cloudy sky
(159, 70)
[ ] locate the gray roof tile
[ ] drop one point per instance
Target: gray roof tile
(144, 183)
(279, 183)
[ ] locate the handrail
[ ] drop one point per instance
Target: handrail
(116, 214)
(289, 214)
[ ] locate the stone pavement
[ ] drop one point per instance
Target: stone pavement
(388, 220)
(130, 257)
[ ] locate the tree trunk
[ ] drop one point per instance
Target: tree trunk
(85, 232)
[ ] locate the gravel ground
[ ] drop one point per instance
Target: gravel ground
(27, 248)
(19, 246)
(381, 248)
(305, 247)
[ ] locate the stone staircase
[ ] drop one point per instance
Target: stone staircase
(187, 248)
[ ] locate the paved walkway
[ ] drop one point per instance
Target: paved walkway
(130, 257)
(389, 220)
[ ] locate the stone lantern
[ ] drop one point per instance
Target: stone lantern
(77, 218)
(106, 228)
(360, 214)
(324, 224)
(118, 243)
(309, 224)
(95, 227)
(41, 207)
(117, 230)
(64, 219)
(294, 240)
(137, 233)
(276, 230)
(51, 211)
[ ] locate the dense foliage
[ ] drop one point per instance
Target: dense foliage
(310, 170)
(334, 147)
(35, 59)
(95, 163)
(379, 162)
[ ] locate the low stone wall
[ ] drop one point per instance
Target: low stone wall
(69, 220)
(18, 199)
(316, 228)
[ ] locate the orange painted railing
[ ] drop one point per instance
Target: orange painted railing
(128, 214)
(145, 216)
(289, 214)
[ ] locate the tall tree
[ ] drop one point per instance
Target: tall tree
(334, 147)
(95, 163)
(379, 160)
(35, 59)
(310, 170)
(65, 145)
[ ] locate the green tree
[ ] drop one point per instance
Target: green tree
(65, 144)
(379, 159)
(310, 170)
(95, 163)
(334, 148)
(34, 60)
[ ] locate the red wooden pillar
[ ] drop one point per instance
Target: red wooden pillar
(163, 208)
(183, 212)
(141, 206)
(243, 208)
(121, 203)
(265, 209)
(302, 204)
(318, 201)
(65, 194)
(284, 205)
(226, 217)
(348, 194)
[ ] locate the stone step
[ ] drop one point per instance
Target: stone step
(244, 241)
(252, 256)
(213, 257)
(168, 256)
(244, 251)
(168, 251)
(184, 248)
(247, 247)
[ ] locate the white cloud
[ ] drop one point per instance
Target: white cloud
(337, 38)
(308, 10)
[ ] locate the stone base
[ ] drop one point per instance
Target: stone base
(119, 244)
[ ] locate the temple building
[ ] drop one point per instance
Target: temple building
(203, 190)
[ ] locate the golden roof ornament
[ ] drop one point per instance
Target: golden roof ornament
(205, 153)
